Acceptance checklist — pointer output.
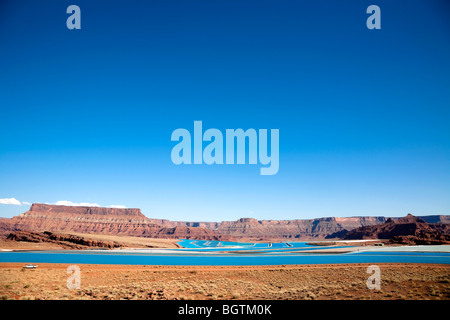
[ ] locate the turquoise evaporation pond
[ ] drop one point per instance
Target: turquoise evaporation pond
(223, 259)
(230, 245)
(204, 253)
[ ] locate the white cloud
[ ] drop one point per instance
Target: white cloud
(16, 202)
(13, 201)
(70, 203)
(85, 204)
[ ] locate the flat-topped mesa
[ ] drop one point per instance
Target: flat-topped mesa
(44, 217)
(248, 221)
(81, 210)
(100, 220)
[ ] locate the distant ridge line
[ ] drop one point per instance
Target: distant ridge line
(132, 222)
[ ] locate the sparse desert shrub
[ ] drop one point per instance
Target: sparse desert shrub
(236, 295)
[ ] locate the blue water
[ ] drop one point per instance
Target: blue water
(193, 244)
(222, 259)
(232, 246)
(198, 252)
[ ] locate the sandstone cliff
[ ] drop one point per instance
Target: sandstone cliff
(406, 230)
(6, 225)
(131, 222)
(320, 228)
(280, 229)
(66, 241)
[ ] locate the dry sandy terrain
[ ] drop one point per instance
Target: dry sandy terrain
(132, 242)
(398, 281)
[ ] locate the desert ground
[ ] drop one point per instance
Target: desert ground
(324, 282)
(126, 241)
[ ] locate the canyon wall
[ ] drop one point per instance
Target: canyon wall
(281, 229)
(131, 222)
(114, 221)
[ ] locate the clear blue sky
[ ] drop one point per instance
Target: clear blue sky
(364, 115)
